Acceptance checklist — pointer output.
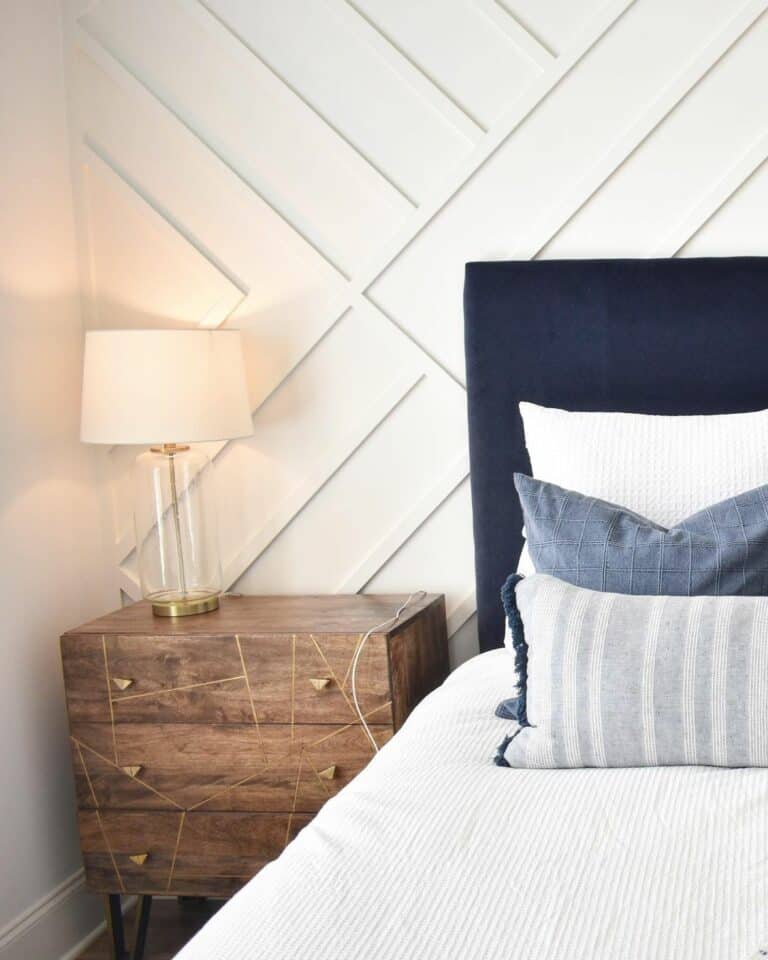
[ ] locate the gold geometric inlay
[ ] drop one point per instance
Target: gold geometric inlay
(176, 850)
(328, 679)
(165, 690)
(330, 670)
(111, 764)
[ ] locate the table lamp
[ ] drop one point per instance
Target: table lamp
(168, 389)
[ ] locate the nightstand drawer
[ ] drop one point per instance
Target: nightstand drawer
(202, 744)
(308, 679)
(284, 679)
(171, 853)
(142, 665)
(217, 767)
(165, 679)
(303, 778)
(127, 850)
(231, 845)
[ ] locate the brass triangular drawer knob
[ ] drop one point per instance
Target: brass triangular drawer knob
(320, 683)
(329, 773)
(139, 858)
(122, 683)
(132, 771)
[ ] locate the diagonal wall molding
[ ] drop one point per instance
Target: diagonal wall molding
(315, 478)
(410, 366)
(716, 197)
(99, 157)
(421, 84)
(591, 33)
(530, 46)
(577, 195)
(319, 475)
(594, 30)
(407, 525)
(211, 20)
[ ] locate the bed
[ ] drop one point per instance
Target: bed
(435, 852)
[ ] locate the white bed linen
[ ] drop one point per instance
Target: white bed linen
(432, 852)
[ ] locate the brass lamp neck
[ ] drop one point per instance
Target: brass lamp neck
(168, 449)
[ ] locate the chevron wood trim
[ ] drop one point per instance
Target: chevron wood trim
(716, 197)
(354, 276)
(407, 525)
(531, 47)
(519, 110)
(422, 86)
(383, 405)
(129, 580)
(577, 195)
(212, 21)
(114, 66)
(95, 156)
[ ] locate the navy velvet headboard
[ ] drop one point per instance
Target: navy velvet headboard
(652, 336)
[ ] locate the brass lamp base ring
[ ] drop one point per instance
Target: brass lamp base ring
(185, 606)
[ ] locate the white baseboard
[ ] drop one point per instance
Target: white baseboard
(58, 927)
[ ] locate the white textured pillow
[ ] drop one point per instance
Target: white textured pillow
(664, 468)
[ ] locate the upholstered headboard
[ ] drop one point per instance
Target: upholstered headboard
(651, 336)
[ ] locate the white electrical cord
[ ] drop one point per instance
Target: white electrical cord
(413, 598)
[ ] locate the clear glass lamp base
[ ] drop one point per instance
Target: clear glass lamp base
(176, 537)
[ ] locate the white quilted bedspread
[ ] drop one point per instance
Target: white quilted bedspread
(434, 853)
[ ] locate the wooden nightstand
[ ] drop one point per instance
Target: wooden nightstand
(202, 745)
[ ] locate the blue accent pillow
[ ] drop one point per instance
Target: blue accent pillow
(719, 551)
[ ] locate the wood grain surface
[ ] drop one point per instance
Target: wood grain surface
(328, 613)
(201, 746)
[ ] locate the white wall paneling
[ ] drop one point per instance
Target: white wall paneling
(317, 172)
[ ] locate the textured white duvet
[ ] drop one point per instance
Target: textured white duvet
(434, 853)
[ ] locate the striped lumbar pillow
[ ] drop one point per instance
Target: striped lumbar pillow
(619, 681)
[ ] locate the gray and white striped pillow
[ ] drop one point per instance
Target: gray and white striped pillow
(620, 681)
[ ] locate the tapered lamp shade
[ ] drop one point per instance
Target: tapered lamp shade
(164, 386)
(168, 389)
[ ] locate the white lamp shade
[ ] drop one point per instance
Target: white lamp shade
(164, 386)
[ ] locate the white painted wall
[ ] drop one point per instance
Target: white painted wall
(317, 172)
(51, 554)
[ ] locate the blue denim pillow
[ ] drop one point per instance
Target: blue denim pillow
(719, 551)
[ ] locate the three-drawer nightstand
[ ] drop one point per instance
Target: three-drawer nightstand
(202, 745)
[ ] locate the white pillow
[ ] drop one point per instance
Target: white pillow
(664, 468)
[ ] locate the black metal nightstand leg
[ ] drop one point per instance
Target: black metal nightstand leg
(143, 908)
(115, 927)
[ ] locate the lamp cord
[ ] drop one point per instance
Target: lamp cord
(413, 598)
